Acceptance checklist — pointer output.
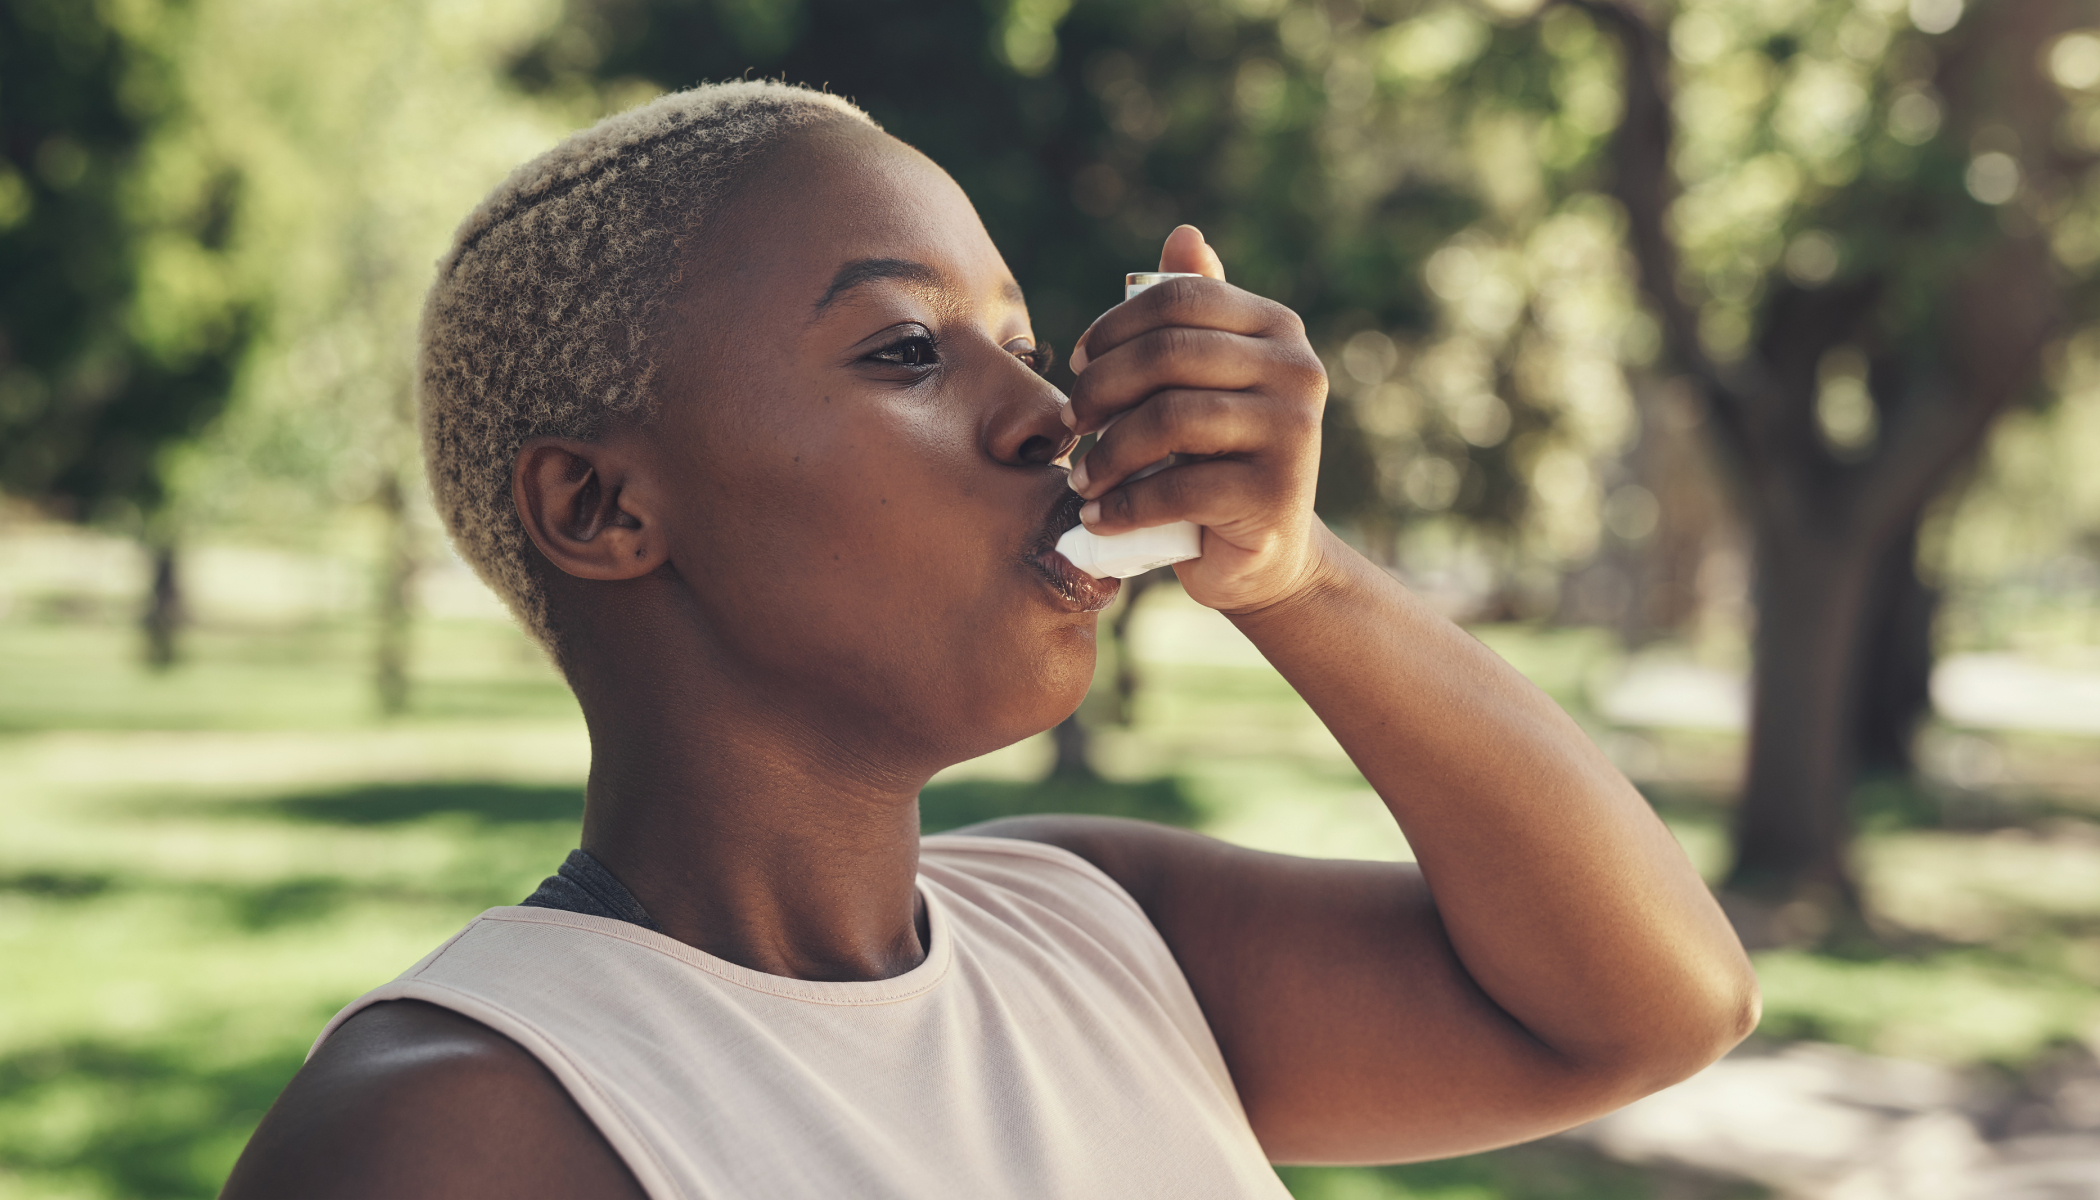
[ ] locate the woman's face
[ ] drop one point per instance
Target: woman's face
(864, 468)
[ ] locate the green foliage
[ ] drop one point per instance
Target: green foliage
(367, 132)
(1955, 1007)
(1085, 131)
(1894, 801)
(119, 330)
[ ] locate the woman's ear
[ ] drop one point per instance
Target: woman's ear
(578, 506)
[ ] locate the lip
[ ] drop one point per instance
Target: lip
(1079, 591)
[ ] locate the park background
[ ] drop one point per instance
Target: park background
(1728, 365)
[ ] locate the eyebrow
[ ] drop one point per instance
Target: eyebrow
(868, 270)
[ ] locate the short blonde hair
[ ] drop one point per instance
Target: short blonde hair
(542, 318)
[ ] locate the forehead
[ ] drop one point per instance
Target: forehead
(812, 217)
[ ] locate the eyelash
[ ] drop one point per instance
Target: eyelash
(897, 352)
(1038, 359)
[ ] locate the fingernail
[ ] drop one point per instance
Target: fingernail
(1077, 479)
(1078, 359)
(1090, 512)
(1064, 413)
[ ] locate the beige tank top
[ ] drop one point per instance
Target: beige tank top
(1048, 1046)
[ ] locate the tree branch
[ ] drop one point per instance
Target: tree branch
(2001, 317)
(1645, 185)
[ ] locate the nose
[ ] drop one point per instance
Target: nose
(1026, 428)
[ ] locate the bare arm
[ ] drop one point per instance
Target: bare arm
(408, 1101)
(1553, 957)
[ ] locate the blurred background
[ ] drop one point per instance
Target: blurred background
(1730, 366)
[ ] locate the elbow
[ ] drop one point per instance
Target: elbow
(1734, 1014)
(1735, 1000)
(1711, 1018)
(1680, 1032)
(1749, 1010)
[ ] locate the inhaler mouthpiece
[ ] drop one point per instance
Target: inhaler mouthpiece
(1122, 555)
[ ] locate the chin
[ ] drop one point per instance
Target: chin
(1005, 716)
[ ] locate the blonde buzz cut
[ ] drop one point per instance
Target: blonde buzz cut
(543, 319)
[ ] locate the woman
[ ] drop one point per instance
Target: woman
(734, 401)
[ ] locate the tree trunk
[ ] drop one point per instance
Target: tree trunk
(1119, 637)
(1073, 763)
(397, 576)
(163, 616)
(1948, 351)
(1792, 827)
(1895, 691)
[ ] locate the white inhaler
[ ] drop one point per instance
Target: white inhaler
(1122, 555)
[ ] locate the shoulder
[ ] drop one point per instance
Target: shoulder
(1115, 861)
(409, 1100)
(1138, 857)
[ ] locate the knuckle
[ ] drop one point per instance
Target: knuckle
(1100, 462)
(1306, 414)
(1308, 375)
(1177, 298)
(1284, 319)
(1213, 406)
(1182, 408)
(1172, 344)
(1173, 487)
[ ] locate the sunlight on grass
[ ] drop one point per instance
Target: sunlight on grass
(1950, 1008)
(204, 864)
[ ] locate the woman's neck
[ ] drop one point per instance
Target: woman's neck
(741, 842)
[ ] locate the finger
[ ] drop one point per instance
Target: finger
(1197, 303)
(1218, 492)
(1196, 423)
(1185, 250)
(1174, 356)
(1215, 313)
(1179, 357)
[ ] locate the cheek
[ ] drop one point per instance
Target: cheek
(856, 561)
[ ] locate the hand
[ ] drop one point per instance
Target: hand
(1203, 369)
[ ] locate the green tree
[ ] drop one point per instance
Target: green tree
(1860, 228)
(120, 332)
(1084, 131)
(1851, 229)
(368, 131)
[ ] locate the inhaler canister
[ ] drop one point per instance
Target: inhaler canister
(1123, 555)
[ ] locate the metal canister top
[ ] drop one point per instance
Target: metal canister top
(1138, 281)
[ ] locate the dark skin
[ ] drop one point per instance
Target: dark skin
(812, 581)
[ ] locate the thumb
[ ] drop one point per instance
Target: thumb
(1187, 251)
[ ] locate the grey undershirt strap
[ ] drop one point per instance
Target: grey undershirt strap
(583, 885)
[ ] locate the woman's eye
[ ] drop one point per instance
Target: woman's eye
(915, 351)
(1038, 358)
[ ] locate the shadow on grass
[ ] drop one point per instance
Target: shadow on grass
(398, 803)
(248, 908)
(132, 1121)
(156, 1124)
(57, 885)
(941, 806)
(1539, 1171)
(951, 805)
(488, 700)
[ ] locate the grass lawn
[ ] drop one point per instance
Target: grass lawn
(201, 866)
